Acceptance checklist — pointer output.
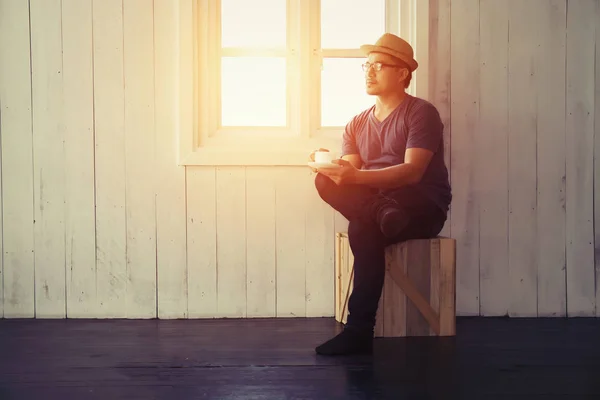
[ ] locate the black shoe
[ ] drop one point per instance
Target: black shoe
(346, 343)
(392, 220)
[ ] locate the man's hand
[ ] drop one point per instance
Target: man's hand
(343, 175)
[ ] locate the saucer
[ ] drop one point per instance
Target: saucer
(323, 165)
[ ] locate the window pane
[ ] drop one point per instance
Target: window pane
(253, 91)
(256, 23)
(347, 24)
(343, 93)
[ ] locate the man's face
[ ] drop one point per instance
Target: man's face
(389, 79)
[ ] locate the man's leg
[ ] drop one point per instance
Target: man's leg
(349, 200)
(363, 202)
(415, 216)
(418, 218)
(368, 246)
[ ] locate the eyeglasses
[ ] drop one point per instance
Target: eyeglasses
(377, 66)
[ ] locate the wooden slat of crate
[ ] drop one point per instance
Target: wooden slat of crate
(344, 274)
(395, 307)
(418, 271)
(447, 287)
(418, 296)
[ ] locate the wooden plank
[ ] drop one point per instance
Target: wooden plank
(231, 241)
(434, 276)
(345, 276)
(338, 275)
(419, 33)
(48, 158)
(447, 310)
(417, 271)
(522, 146)
(597, 162)
(1, 224)
(171, 242)
(348, 277)
(391, 297)
(17, 143)
(319, 252)
(291, 243)
(80, 213)
(379, 317)
(138, 24)
(418, 300)
(1, 227)
(395, 300)
(201, 242)
(465, 120)
(492, 160)
(111, 276)
(260, 241)
(341, 277)
(581, 293)
(550, 85)
(493, 358)
(340, 280)
(439, 76)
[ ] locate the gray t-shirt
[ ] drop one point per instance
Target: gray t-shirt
(414, 123)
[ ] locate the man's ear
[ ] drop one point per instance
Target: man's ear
(403, 75)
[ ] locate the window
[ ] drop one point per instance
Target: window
(253, 63)
(274, 79)
(344, 26)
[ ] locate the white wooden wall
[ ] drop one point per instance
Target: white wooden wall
(99, 221)
(525, 78)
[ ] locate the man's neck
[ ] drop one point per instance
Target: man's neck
(384, 105)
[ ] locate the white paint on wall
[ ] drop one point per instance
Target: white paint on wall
(99, 221)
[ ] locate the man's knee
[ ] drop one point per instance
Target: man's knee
(323, 184)
(365, 234)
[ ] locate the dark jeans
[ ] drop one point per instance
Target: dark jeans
(367, 242)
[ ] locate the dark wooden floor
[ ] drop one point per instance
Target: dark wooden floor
(494, 358)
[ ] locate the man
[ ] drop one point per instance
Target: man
(391, 184)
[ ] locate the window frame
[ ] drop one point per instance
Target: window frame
(200, 139)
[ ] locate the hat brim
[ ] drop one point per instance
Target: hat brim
(369, 48)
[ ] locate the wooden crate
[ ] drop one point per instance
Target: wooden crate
(418, 296)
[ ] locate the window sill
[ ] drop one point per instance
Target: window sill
(255, 151)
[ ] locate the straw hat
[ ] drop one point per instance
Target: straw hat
(394, 46)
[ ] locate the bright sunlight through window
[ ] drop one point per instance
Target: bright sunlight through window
(253, 24)
(254, 91)
(255, 75)
(346, 24)
(264, 82)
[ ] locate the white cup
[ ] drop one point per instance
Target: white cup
(324, 157)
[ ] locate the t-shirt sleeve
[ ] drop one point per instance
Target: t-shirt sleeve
(425, 128)
(349, 139)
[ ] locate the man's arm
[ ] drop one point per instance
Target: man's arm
(424, 138)
(416, 161)
(353, 159)
(349, 146)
